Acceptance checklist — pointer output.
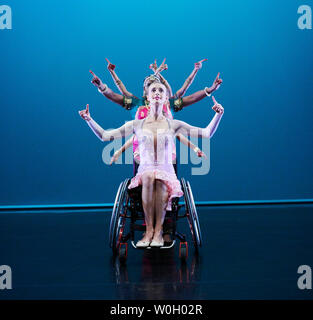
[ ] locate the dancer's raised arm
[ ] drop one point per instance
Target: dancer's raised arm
(106, 91)
(199, 95)
(107, 135)
(120, 85)
(181, 92)
(185, 128)
(157, 71)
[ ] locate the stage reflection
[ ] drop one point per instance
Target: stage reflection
(161, 275)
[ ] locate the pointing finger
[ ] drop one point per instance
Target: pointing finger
(202, 60)
(87, 108)
(215, 102)
(107, 60)
(92, 73)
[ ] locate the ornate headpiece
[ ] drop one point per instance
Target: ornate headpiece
(151, 78)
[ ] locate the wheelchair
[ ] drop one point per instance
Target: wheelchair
(128, 207)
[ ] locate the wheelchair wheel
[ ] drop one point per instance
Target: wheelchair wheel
(183, 251)
(122, 252)
(192, 215)
(117, 223)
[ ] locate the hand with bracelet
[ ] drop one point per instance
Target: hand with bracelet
(98, 83)
(216, 84)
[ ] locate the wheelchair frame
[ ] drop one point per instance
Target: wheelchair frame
(127, 205)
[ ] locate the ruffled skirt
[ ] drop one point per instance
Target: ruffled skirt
(173, 185)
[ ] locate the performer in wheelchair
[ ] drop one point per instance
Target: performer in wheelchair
(156, 173)
(176, 102)
(142, 112)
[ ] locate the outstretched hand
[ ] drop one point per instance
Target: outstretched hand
(217, 107)
(162, 67)
(85, 114)
(201, 154)
(153, 66)
(110, 66)
(217, 82)
(198, 65)
(96, 80)
(115, 157)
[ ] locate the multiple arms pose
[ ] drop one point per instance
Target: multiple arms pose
(178, 126)
(195, 97)
(103, 88)
(181, 92)
(186, 101)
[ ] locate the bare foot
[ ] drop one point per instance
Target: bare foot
(158, 236)
(147, 236)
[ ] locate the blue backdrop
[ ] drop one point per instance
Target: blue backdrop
(263, 147)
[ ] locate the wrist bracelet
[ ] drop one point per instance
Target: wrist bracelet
(205, 91)
(103, 88)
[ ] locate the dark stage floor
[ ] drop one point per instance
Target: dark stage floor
(249, 252)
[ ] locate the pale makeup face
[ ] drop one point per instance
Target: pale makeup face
(157, 93)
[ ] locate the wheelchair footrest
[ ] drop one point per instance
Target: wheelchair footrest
(154, 248)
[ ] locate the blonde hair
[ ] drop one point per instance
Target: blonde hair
(152, 79)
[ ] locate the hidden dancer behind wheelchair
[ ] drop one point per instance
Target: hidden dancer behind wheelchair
(156, 173)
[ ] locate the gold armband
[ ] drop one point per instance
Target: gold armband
(127, 103)
(178, 104)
